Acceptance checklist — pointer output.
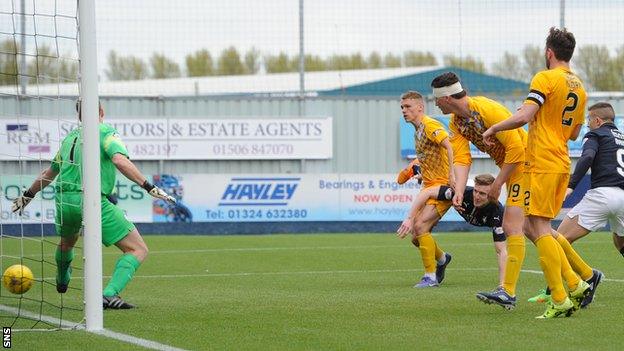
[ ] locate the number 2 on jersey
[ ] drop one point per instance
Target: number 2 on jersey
(569, 108)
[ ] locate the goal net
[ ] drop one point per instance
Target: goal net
(39, 55)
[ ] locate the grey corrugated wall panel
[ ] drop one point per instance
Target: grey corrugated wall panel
(366, 130)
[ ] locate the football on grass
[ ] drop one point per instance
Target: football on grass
(17, 279)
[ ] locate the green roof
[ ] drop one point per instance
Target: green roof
(473, 82)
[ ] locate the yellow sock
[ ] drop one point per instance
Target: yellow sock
(570, 277)
(427, 252)
(439, 254)
(515, 258)
(549, 259)
(577, 263)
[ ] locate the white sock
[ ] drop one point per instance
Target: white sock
(442, 260)
(431, 275)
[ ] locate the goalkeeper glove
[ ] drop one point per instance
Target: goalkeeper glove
(413, 170)
(157, 192)
(21, 202)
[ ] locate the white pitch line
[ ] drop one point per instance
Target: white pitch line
(137, 341)
(288, 248)
(78, 326)
(47, 319)
(248, 274)
(603, 279)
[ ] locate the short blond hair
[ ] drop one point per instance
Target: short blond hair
(484, 179)
(411, 95)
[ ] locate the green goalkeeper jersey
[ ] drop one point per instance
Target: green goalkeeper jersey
(68, 160)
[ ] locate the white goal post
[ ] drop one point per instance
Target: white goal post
(91, 166)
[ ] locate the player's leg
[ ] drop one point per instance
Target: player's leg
(64, 256)
(116, 229)
(587, 215)
(421, 199)
(501, 256)
(513, 219)
(547, 192)
(569, 231)
(539, 231)
(616, 221)
(618, 242)
(68, 223)
(423, 239)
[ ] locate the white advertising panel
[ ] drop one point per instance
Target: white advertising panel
(181, 138)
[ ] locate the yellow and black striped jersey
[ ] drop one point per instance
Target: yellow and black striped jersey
(508, 146)
(433, 157)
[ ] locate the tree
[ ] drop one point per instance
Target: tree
(8, 62)
(48, 67)
(229, 62)
(278, 64)
(125, 68)
(252, 61)
(415, 58)
(68, 70)
(346, 62)
(374, 60)
(314, 63)
(391, 60)
(534, 61)
(597, 68)
(199, 64)
(163, 67)
(509, 66)
(618, 66)
(469, 63)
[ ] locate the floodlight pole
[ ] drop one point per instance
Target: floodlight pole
(302, 111)
(91, 204)
(301, 62)
(562, 14)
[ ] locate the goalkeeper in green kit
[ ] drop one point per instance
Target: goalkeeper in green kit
(116, 229)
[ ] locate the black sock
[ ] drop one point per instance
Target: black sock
(547, 291)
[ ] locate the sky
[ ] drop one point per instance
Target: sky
(485, 29)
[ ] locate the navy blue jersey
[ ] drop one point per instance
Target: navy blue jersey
(490, 215)
(603, 151)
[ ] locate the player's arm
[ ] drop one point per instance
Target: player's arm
(461, 179)
(576, 132)
(539, 90)
(514, 145)
(503, 176)
(130, 171)
(417, 205)
(461, 163)
(449, 151)
(524, 115)
(44, 179)
(590, 148)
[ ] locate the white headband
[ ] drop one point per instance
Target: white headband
(448, 90)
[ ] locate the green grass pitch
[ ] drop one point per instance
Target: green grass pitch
(326, 292)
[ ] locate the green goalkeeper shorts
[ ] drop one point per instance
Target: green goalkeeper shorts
(115, 225)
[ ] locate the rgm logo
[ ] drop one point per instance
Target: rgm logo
(259, 191)
(20, 134)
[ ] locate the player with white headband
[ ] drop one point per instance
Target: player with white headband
(470, 117)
